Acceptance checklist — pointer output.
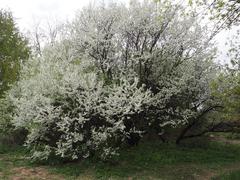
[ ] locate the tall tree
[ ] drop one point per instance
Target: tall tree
(13, 49)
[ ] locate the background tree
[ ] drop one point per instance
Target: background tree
(13, 50)
(44, 34)
(227, 86)
(225, 90)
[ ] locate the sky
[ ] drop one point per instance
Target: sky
(28, 13)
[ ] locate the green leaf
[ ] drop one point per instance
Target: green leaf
(190, 2)
(220, 3)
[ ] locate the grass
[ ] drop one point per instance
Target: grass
(146, 161)
(233, 175)
(11, 156)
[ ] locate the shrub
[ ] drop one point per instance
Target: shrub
(69, 113)
(9, 135)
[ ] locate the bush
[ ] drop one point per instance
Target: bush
(9, 135)
(69, 113)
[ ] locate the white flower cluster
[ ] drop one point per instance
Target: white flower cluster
(168, 50)
(69, 112)
(119, 71)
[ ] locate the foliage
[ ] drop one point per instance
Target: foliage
(5, 116)
(227, 86)
(226, 89)
(13, 49)
(8, 133)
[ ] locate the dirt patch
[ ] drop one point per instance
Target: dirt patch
(40, 173)
(208, 175)
(225, 140)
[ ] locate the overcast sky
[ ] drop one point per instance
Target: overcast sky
(27, 12)
(30, 12)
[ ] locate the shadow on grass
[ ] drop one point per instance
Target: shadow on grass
(155, 160)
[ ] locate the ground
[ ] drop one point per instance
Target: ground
(216, 159)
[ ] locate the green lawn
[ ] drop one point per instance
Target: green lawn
(232, 175)
(146, 161)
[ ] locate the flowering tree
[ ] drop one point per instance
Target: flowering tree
(119, 72)
(168, 50)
